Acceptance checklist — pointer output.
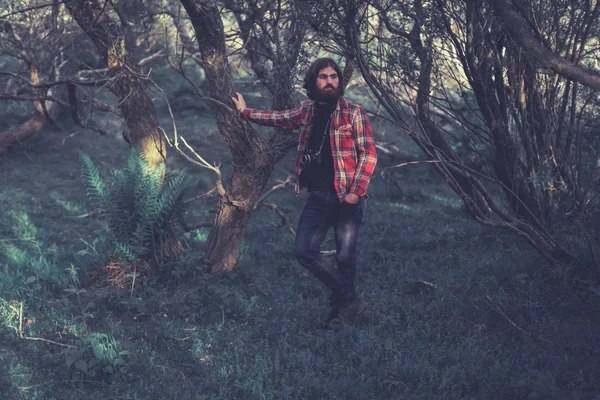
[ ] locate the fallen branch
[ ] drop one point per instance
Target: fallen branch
(92, 214)
(49, 341)
(20, 334)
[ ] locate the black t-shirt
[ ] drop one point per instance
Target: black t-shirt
(320, 176)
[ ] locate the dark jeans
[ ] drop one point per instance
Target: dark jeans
(322, 211)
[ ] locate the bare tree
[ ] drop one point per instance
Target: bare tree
(408, 54)
(127, 81)
(29, 43)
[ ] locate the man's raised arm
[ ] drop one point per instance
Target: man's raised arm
(289, 119)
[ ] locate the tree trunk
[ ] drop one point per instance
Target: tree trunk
(138, 112)
(431, 130)
(252, 162)
(22, 133)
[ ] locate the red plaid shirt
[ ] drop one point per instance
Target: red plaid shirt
(351, 139)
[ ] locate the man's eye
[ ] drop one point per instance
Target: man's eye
(322, 76)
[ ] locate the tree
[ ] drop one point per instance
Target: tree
(253, 157)
(29, 45)
(128, 82)
(41, 39)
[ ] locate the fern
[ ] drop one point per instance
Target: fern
(140, 207)
(124, 251)
(96, 187)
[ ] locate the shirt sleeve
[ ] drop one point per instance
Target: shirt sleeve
(365, 147)
(289, 119)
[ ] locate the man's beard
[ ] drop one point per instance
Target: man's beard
(326, 95)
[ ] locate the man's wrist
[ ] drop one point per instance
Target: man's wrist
(357, 190)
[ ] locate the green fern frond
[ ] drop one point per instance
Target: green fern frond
(96, 188)
(171, 194)
(124, 251)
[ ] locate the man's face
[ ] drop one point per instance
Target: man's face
(328, 83)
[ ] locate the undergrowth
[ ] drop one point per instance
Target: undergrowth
(456, 310)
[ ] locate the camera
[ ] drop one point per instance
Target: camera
(310, 156)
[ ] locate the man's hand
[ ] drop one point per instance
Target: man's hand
(351, 198)
(239, 101)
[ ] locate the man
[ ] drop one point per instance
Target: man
(336, 158)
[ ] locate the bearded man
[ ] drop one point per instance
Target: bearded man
(335, 161)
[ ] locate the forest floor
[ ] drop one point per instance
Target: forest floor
(456, 310)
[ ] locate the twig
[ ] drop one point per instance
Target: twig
(29, 9)
(499, 311)
(170, 110)
(410, 163)
(49, 341)
(282, 185)
(21, 336)
(21, 320)
(285, 221)
(422, 282)
(16, 240)
(202, 162)
(199, 91)
(151, 57)
(92, 214)
(207, 194)
(133, 280)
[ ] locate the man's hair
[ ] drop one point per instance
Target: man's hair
(310, 79)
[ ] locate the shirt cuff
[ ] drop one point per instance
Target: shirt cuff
(357, 190)
(246, 113)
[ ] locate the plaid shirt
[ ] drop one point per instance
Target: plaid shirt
(351, 140)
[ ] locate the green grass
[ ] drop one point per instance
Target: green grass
(499, 323)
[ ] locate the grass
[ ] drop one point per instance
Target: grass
(499, 323)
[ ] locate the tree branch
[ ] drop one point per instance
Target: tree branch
(518, 29)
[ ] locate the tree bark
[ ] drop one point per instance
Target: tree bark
(128, 83)
(251, 158)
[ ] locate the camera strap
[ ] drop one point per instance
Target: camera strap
(325, 134)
